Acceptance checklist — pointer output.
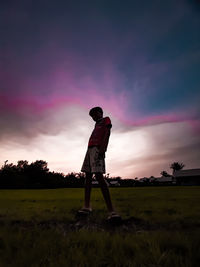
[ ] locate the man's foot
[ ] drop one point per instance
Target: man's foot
(84, 211)
(113, 216)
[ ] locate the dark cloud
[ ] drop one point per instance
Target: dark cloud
(25, 125)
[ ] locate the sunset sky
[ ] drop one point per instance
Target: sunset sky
(138, 60)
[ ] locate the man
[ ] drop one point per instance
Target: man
(94, 162)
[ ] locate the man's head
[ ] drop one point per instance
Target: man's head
(96, 113)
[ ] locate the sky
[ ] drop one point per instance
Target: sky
(138, 60)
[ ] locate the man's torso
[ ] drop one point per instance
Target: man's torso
(99, 131)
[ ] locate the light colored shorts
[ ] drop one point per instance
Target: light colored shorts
(91, 162)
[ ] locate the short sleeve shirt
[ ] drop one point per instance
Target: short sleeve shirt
(97, 135)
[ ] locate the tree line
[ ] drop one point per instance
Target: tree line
(37, 175)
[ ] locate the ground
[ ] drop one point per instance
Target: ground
(159, 227)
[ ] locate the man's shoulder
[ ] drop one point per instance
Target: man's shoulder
(107, 122)
(107, 119)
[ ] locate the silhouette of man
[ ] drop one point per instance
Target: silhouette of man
(94, 162)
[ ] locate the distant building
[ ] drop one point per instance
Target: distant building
(114, 183)
(163, 180)
(143, 180)
(96, 183)
(187, 177)
(166, 179)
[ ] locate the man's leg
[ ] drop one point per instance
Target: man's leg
(105, 191)
(88, 187)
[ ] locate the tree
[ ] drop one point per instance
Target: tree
(22, 164)
(34, 175)
(176, 166)
(9, 176)
(40, 166)
(165, 174)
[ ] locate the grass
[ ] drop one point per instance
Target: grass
(161, 228)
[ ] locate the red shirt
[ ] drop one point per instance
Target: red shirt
(97, 135)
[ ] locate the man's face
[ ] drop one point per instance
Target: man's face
(96, 116)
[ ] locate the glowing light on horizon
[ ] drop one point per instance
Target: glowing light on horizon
(131, 152)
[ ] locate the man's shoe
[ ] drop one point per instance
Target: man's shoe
(84, 211)
(114, 216)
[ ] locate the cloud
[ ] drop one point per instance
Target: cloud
(57, 65)
(63, 61)
(151, 149)
(61, 137)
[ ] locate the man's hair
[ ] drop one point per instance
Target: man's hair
(95, 109)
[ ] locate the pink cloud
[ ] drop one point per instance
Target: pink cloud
(54, 77)
(195, 124)
(38, 105)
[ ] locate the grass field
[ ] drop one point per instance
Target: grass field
(160, 228)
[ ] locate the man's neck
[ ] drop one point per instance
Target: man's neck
(99, 120)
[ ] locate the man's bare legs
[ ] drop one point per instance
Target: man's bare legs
(105, 191)
(88, 187)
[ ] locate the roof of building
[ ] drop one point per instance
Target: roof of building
(189, 172)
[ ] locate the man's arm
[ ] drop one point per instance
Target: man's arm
(104, 143)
